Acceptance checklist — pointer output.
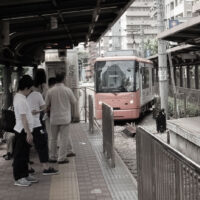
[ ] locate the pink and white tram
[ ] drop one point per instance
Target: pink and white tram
(124, 83)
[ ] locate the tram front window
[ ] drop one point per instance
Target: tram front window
(115, 76)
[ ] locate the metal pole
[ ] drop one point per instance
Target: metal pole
(142, 41)
(85, 105)
(162, 58)
(4, 33)
(7, 71)
(19, 73)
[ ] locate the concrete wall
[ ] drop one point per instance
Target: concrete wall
(185, 142)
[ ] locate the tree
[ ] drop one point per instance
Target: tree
(151, 47)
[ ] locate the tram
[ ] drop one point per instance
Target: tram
(124, 83)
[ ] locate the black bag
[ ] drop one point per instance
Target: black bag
(8, 120)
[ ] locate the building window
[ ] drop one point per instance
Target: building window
(172, 6)
(189, 13)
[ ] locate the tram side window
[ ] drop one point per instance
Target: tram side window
(153, 76)
(145, 78)
(137, 77)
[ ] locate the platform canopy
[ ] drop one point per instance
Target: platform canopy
(187, 33)
(35, 25)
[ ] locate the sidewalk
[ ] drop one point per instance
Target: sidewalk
(86, 177)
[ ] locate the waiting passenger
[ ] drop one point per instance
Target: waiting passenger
(59, 99)
(51, 83)
(40, 81)
(161, 121)
(40, 139)
(23, 135)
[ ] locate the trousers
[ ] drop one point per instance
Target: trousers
(20, 156)
(40, 141)
(65, 144)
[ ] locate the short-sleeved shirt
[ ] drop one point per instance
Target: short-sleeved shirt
(21, 107)
(60, 98)
(35, 101)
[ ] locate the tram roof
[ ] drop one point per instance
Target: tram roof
(32, 30)
(119, 58)
(187, 33)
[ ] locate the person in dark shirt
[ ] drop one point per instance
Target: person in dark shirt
(161, 121)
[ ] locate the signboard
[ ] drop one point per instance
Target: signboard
(162, 74)
(173, 23)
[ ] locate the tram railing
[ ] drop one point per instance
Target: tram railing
(163, 172)
(82, 96)
(108, 133)
(91, 114)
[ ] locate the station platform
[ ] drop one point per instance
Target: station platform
(86, 177)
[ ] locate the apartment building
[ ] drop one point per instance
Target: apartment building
(132, 30)
(196, 8)
(177, 11)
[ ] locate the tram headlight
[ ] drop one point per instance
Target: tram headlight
(100, 102)
(131, 101)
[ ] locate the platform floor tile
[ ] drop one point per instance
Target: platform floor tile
(92, 185)
(65, 185)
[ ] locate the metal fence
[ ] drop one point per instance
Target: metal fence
(185, 103)
(108, 133)
(163, 172)
(91, 114)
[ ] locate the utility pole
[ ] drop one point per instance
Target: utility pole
(162, 58)
(142, 40)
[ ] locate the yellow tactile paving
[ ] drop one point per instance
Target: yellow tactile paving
(65, 185)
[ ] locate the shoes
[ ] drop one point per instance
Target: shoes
(71, 154)
(50, 171)
(31, 179)
(31, 171)
(63, 161)
(22, 182)
(7, 156)
(52, 161)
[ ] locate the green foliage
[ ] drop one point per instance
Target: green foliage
(192, 109)
(83, 57)
(151, 46)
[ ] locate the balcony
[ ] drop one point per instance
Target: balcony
(142, 4)
(137, 13)
(196, 8)
(150, 31)
(141, 22)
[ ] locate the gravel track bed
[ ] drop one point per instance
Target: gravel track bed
(126, 145)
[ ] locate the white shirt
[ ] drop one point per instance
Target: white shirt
(21, 107)
(35, 101)
(60, 98)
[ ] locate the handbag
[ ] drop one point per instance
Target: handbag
(8, 120)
